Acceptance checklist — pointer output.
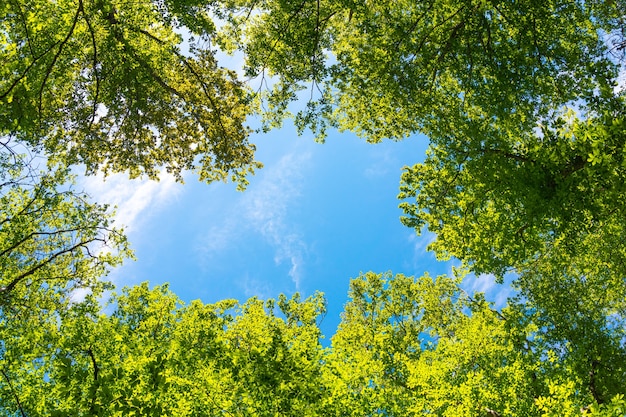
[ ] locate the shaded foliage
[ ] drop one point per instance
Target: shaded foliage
(108, 84)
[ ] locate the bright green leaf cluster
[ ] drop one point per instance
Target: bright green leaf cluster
(155, 356)
(405, 347)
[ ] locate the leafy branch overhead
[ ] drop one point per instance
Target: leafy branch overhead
(56, 247)
(136, 86)
(391, 69)
(520, 103)
(107, 84)
(53, 241)
(501, 204)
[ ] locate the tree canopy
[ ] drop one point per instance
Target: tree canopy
(55, 248)
(390, 69)
(524, 175)
(500, 205)
(405, 346)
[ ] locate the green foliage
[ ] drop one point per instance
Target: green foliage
(549, 207)
(53, 241)
(55, 247)
(390, 69)
(105, 83)
(499, 204)
(405, 346)
(410, 346)
(616, 408)
(154, 356)
(422, 346)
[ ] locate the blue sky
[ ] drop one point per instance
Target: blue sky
(315, 216)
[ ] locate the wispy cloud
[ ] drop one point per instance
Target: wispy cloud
(134, 202)
(380, 163)
(483, 283)
(267, 206)
(265, 209)
(253, 287)
(421, 242)
(421, 258)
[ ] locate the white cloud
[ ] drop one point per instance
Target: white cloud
(380, 162)
(133, 199)
(421, 242)
(253, 287)
(486, 283)
(483, 283)
(78, 295)
(218, 238)
(421, 257)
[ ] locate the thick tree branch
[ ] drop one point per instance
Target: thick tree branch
(17, 398)
(40, 265)
(96, 369)
(79, 10)
(36, 234)
(592, 382)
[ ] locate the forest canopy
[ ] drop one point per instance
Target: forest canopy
(524, 176)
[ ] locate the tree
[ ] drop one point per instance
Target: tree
(518, 100)
(109, 84)
(550, 210)
(155, 356)
(503, 204)
(55, 246)
(390, 69)
(53, 241)
(410, 346)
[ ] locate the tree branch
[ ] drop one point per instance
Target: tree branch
(95, 70)
(492, 413)
(40, 265)
(96, 369)
(592, 382)
(16, 4)
(17, 398)
(56, 56)
(28, 68)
